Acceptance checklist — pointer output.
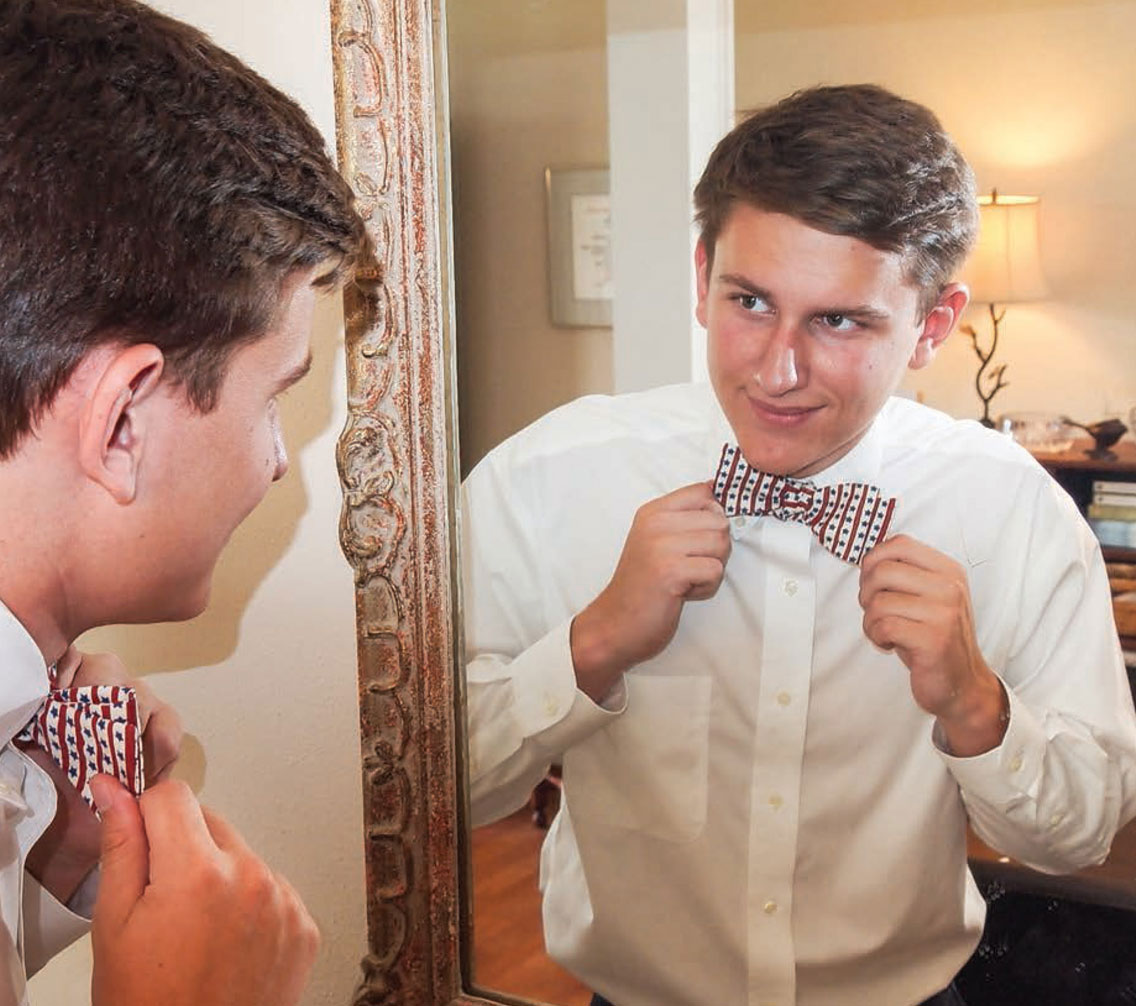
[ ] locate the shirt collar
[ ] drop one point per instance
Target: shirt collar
(23, 676)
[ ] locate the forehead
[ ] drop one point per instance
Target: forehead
(767, 247)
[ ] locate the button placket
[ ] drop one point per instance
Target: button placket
(779, 734)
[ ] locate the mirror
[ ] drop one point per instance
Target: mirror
(398, 454)
(396, 462)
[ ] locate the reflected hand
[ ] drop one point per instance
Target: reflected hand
(675, 552)
(916, 602)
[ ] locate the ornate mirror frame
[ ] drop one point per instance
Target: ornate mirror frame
(398, 465)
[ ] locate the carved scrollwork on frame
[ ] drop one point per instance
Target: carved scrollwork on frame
(396, 464)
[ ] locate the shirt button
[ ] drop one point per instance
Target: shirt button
(1016, 763)
(790, 586)
(551, 706)
(739, 522)
(770, 907)
(784, 698)
(775, 801)
(1056, 820)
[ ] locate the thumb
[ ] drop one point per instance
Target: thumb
(125, 857)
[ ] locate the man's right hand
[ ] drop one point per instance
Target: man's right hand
(187, 915)
(675, 552)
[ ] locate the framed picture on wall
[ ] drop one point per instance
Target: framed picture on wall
(579, 246)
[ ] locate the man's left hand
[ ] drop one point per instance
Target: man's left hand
(69, 848)
(916, 603)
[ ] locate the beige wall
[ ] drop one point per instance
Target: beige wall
(265, 679)
(521, 100)
(1039, 98)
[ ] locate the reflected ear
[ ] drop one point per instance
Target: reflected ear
(113, 424)
(702, 272)
(939, 322)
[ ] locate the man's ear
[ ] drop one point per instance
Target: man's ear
(939, 322)
(112, 425)
(702, 272)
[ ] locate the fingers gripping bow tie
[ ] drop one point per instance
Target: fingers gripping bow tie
(88, 730)
(848, 518)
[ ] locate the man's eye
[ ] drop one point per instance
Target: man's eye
(838, 322)
(751, 302)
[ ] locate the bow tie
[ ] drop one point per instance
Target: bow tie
(88, 730)
(848, 518)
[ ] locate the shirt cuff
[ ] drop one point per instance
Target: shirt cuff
(1012, 770)
(49, 926)
(547, 703)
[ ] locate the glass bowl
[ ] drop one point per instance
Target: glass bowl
(1043, 432)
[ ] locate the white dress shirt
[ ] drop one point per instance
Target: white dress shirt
(33, 925)
(760, 814)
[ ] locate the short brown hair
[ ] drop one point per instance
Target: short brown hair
(152, 189)
(854, 160)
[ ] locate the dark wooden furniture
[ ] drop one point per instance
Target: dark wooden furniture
(1061, 940)
(1076, 471)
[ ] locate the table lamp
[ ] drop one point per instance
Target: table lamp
(1004, 268)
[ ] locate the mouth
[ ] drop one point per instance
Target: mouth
(786, 416)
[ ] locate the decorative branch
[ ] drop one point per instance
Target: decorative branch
(987, 384)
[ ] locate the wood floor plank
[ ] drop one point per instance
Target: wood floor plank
(508, 943)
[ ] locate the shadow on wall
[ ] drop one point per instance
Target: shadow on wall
(256, 546)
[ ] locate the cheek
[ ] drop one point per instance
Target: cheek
(728, 346)
(863, 379)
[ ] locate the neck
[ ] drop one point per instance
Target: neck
(39, 547)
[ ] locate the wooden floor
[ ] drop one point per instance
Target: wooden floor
(508, 945)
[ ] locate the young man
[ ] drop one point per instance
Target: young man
(167, 221)
(773, 734)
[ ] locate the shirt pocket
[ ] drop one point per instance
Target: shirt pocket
(646, 771)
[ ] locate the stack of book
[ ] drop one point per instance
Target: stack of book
(1112, 513)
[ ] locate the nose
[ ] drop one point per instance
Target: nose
(776, 372)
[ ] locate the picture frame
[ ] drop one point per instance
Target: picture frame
(579, 246)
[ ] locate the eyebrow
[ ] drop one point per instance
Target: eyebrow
(294, 375)
(861, 312)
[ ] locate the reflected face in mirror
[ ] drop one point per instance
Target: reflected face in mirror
(808, 333)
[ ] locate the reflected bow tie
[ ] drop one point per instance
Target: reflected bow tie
(88, 730)
(848, 518)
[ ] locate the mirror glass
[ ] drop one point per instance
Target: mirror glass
(1034, 92)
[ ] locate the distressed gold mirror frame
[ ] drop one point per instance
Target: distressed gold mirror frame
(397, 462)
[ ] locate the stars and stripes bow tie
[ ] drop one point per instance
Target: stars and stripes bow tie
(88, 730)
(848, 518)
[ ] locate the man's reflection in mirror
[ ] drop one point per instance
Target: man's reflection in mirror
(788, 634)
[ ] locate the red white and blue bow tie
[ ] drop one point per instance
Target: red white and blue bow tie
(88, 730)
(848, 518)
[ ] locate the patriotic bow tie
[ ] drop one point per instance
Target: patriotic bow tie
(88, 730)
(848, 518)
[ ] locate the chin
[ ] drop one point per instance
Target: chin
(763, 453)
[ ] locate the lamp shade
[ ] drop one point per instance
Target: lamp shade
(1006, 265)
